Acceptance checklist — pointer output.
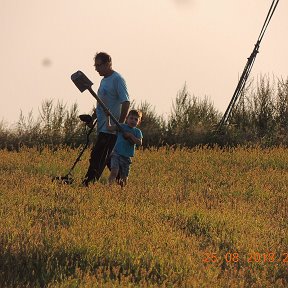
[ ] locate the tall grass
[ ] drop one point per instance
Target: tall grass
(188, 218)
(259, 118)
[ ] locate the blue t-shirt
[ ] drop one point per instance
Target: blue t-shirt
(113, 92)
(124, 147)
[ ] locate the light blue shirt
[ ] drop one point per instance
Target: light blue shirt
(124, 147)
(113, 92)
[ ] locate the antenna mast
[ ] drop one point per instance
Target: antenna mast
(247, 69)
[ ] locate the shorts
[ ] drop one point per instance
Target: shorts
(122, 163)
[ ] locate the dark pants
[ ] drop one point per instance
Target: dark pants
(100, 156)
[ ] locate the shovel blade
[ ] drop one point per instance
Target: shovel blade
(81, 81)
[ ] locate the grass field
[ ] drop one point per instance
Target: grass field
(188, 218)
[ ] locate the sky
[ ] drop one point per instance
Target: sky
(158, 46)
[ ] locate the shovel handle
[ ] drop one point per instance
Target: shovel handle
(106, 110)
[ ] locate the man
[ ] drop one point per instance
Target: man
(113, 92)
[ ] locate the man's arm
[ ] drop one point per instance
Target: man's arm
(124, 111)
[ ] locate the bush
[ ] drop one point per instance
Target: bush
(259, 118)
(152, 126)
(192, 120)
(56, 126)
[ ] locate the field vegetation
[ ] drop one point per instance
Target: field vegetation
(198, 217)
(259, 118)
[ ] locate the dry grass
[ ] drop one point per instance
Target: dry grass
(189, 218)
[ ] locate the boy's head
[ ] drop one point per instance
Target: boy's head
(134, 118)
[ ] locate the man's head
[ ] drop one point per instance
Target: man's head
(103, 64)
(134, 118)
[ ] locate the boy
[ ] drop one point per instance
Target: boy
(124, 148)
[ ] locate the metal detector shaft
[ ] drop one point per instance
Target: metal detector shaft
(67, 179)
(83, 149)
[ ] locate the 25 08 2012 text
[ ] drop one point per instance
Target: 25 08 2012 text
(251, 257)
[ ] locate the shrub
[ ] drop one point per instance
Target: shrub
(192, 120)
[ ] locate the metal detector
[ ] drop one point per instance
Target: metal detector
(68, 179)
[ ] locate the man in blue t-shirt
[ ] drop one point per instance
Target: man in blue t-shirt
(113, 92)
(124, 149)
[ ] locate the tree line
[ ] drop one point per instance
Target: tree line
(259, 118)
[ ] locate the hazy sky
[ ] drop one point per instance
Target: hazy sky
(157, 45)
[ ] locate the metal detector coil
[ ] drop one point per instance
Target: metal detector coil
(67, 179)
